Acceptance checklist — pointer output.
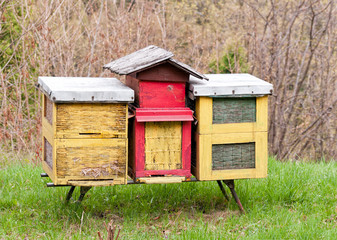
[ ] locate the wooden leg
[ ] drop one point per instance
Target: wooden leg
(70, 193)
(230, 184)
(222, 189)
(83, 191)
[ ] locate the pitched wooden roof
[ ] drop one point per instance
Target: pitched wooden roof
(146, 58)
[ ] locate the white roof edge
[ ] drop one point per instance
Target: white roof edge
(230, 85)
(83, 89)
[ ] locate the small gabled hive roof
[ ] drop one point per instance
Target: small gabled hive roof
(146, 58)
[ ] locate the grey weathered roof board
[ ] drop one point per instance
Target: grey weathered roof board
(84, 89)
(229, 85)
(145, 58)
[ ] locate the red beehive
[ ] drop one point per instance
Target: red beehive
(160, 132)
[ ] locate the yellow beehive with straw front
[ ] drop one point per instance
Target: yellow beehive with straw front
(84, 133)
(230, 139)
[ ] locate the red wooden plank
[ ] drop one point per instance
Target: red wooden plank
(173, 172)
(158, 115)
(161, 94)
(186, 145)
(139, 147)
(164, 72)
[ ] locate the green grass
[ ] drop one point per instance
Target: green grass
(296, 201)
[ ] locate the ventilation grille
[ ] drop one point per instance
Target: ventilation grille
(48, 153)
(234, 110)
(233, 156)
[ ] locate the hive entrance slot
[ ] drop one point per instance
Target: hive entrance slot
(89, 133)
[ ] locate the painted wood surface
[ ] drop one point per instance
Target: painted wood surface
(161, 94)
(161, 180)
(163, 145)
(79, 153)
(203, 169)
(137, 159)
(204, 114)
(91, 120)
(91, 158)
(164, 73)
(212, 140)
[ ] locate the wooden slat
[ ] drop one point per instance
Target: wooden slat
(94, 183)
(91, 121)
(262, 113)
(91, 158)
(139, 60)
(161, 180)
(163, 145)
(204, 115)
(203, 171)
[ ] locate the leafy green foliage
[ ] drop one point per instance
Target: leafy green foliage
(233, 60)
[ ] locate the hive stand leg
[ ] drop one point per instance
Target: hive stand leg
(83, 191)
(230, 184)
(222, 189)
(70, 193)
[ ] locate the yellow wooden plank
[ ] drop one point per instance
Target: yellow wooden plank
(160, 180)
(100, 183)
(125, 180)
(48, 135)
(233, 138)
(49, 171)
(262, 113)
(163, 145)
(232, 174)
(233, 128)
(204, 156)
(91, 120)
(261, 154)
(204, 114)
(47, 126)
(91, 158)
(42, 136)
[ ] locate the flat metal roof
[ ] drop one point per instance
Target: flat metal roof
(85, 89)
(229, 85)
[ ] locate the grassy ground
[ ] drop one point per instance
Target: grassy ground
(296, 201)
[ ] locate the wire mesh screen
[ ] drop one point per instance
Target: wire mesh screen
(233, 156)
(48, 153)
(234, 110)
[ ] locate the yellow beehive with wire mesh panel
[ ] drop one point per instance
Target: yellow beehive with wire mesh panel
(230, 138)
(84, 130)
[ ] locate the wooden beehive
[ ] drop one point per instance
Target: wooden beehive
(84, 132)
(160, 132)
(230, 139)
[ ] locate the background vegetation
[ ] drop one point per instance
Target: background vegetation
(291, 44)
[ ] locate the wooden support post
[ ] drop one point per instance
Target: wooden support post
(83, 191)
(70, 193)
(230, 184)
(222, 189)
